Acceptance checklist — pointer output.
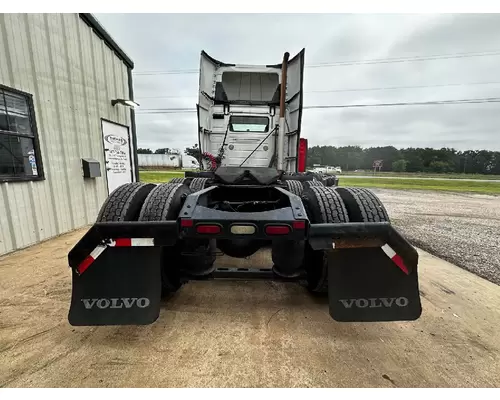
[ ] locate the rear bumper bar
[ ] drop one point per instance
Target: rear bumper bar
(365, 235)
(320, 237)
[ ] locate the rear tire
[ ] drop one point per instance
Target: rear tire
(177, 180)
(196, 256)
(294, 187)
(313, 183)
(323, 205)
(125, 202)
(288, 257)
(198, 184)
(363, 205)
(164, 204)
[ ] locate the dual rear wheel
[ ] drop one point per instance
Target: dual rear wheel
(148, 202)
(336, 205)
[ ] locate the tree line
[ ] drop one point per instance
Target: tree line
(412, 159)
(165, 150)
(190, 151)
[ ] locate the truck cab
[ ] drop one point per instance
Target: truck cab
(239, 113)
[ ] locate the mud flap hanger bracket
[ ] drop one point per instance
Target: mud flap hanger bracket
(164, 233)
(362, 235)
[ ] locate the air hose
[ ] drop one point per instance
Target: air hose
(212, 161)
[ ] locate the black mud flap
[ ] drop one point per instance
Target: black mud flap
(367, 285)
(121, 287)
(372, 272)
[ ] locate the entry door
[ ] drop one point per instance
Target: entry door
(117, 154)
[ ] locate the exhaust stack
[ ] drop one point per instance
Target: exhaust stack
(281, 131)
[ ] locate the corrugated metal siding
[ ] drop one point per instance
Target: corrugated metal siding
(73, 76)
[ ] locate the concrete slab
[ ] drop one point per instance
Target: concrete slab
(240, 334)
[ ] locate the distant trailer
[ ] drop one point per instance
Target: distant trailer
(167, 161)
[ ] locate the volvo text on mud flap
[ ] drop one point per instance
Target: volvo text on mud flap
(124, 302)
(375, 302)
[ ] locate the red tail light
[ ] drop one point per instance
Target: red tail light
(277, 230)
(186, 223)
(299, 225)
(208, 229)
(302, 156)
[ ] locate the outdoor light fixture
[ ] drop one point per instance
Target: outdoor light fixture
(128, 103)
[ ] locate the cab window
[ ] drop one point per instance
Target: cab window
(241, 123)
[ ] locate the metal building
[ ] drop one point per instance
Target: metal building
(67, 131)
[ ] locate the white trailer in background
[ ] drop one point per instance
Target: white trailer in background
(167, 161)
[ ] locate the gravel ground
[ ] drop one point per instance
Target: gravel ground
(463, 229)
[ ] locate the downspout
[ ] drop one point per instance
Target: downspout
(281, 130)
(132, 125)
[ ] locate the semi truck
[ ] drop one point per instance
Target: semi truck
(252, 194)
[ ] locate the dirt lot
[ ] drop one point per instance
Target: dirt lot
(461, 228)
(244, 334)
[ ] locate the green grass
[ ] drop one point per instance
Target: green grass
(425, 175)
(479, 186)
(159, 176)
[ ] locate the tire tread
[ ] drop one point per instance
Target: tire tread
(294, 187)
(177, 180)
(368, 204)
(158, 203)
(198, 184)
(124, 203)
(331, 210)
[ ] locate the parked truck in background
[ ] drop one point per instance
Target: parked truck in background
(326, 170)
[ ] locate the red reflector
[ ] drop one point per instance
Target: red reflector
(299, 224)
(123, 242)
(302, 155)
(85, 264)
(208, 229)
(400, 263)
(277, 230)
(186, 223)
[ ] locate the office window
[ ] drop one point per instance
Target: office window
(19, 152)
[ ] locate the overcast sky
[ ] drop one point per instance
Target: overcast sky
(165, 42)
